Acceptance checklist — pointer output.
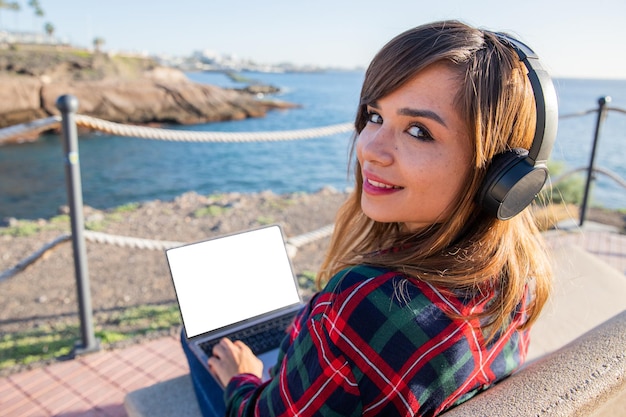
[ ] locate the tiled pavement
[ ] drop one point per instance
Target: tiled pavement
(600, 241)
(95, 384)
(91, 385)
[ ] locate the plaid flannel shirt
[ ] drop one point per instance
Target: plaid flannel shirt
(375, 343)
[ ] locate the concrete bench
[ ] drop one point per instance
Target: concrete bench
(172, 398)
(586, 377)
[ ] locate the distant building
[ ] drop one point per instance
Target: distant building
(29, 38)
(208, 60)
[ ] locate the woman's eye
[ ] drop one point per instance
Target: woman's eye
(419, 133)
(374, 117)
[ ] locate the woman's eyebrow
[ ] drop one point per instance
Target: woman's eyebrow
(429, 114)
(406, 111)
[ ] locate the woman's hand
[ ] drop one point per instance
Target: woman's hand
(230, 359)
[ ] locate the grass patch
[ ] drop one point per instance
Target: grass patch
(25, 228)
(306, 280)
(237, 77)
(45, 342)
(546, 217)
(210, 211)
(216, 196)
(115, 215)
(63, 219)
(126, 208)
(22, 229)
(147, 318)
(569, 191)
(265, 220)
(96, 225)
(281, 203)
(82, 53)
(57, 340)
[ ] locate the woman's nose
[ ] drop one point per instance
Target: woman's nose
(375, 146)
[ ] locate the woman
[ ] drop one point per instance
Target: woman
(427, 298)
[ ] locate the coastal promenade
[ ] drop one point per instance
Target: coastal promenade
(96, 384)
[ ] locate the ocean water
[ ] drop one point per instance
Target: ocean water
(119, 170)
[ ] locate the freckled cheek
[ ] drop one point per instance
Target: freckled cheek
(363, 146)
(457, 182)
(443, 181)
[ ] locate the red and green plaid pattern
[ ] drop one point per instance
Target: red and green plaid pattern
(376, 343)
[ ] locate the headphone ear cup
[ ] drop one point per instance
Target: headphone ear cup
(511, 183)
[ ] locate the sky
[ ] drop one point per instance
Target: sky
(574, 38)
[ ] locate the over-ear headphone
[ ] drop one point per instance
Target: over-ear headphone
(515, 177)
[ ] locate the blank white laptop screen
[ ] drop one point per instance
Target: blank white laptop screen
(229, 279)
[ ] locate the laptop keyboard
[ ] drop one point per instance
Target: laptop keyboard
(261, 337)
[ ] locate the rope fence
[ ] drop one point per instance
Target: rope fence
(292, 244)
(612, 175)
(37, 126)
(144, 132)
(590, 111)
(194, 136)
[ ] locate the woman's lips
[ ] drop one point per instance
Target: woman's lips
(373, 185)
(381, 184)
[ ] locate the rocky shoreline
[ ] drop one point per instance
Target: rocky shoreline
(117, 89)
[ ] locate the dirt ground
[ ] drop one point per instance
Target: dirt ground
(121, 277)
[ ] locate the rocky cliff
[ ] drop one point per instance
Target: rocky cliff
(119, 89)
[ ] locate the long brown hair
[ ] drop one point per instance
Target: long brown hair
(469, 251)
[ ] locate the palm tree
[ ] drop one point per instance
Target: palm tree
(36, 7)
(97, 43)
(37, 10)
(13, 5)
(49, 28)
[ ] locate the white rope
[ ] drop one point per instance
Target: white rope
(578, 114)
(292, 245)
(195, 136)
(586, 112)
(129, 242)
(20, 130)
(614, 176)
(143, 132)
(24, 263)
(304, 239)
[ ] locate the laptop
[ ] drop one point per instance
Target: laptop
(239, 286)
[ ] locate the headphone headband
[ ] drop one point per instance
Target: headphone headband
(545, 100)
(516, 176)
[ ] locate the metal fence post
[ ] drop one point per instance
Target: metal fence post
(602, 102)
(68, 105)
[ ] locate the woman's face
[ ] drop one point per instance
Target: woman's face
(415, 151)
